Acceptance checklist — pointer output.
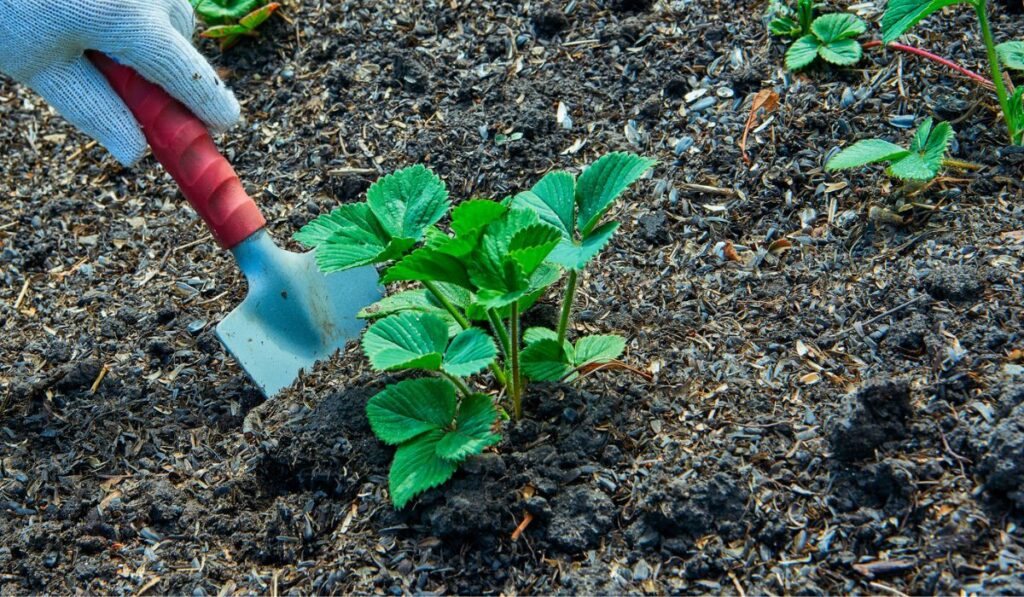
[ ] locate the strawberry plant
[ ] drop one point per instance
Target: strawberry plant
(901, 15)
(233, 19)
(471, 283)
(921, 161)
(832, 38)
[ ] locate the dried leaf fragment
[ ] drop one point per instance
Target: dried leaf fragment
(765, 99)
(810, 378)
(779, 245)
(730, 252)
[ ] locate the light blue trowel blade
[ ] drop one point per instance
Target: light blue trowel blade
(293, 315)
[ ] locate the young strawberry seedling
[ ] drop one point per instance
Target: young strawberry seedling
(497, 259)
(922, 161)
(831, 37)
(901, 15)
(233, 19)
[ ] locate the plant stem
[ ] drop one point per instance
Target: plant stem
(461, 385)
(500, 330)
(517, 380)
(934, 58)
(805, 8)
(993, 63)
(448, 306)
(960, 164)
(463, 321)
(570, 293)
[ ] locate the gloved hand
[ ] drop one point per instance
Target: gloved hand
(42, 44)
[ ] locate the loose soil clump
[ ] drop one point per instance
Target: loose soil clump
(875, 414)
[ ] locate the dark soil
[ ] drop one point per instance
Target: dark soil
(868, 419)
(838, 377)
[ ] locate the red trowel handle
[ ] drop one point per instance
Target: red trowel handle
(182, 144)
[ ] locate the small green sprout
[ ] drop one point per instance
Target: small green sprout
(494, 262)
(921, 161)
(502, 139)
(233, 19)
(791, 23)
(901, 15)
(832, 38)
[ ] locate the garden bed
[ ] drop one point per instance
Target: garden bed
(837, 401)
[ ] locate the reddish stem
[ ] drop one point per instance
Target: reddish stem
(934, 58)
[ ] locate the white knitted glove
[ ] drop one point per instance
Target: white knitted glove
(42, 44)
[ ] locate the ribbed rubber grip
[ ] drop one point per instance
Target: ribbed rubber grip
(182, 144)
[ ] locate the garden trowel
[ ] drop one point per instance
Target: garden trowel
(293, 315)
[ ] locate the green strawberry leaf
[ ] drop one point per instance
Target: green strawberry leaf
(496, 298)
(473, 430)
(353, 215)
(407, 300)
(532, 245)
(546, 360)
(553, 198)
(435, 238)
(576, 256)
(936, 145)
(1016, 114)
(901, 15)
(598, 349)
(837, 26)
(457, 295)
(350, 236)
(469, 352)
(495, 270)
(868, 151)
(545, 276)
(784, 27)
(354, 248)
(927, 151)
(537, 334)
(912, 167)
(420, 300)
(843, 52)
(417, 468)
(802, 52)
(407, 340)
(1011, 54)
(429, 265)
(410, 408)
(469, 220)
(488, 256)
(601, 183)
(218, 11)
(920, 140)
(475, 214)
(406, 202)
(921, 162)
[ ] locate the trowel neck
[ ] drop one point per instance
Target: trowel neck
(252, 252)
